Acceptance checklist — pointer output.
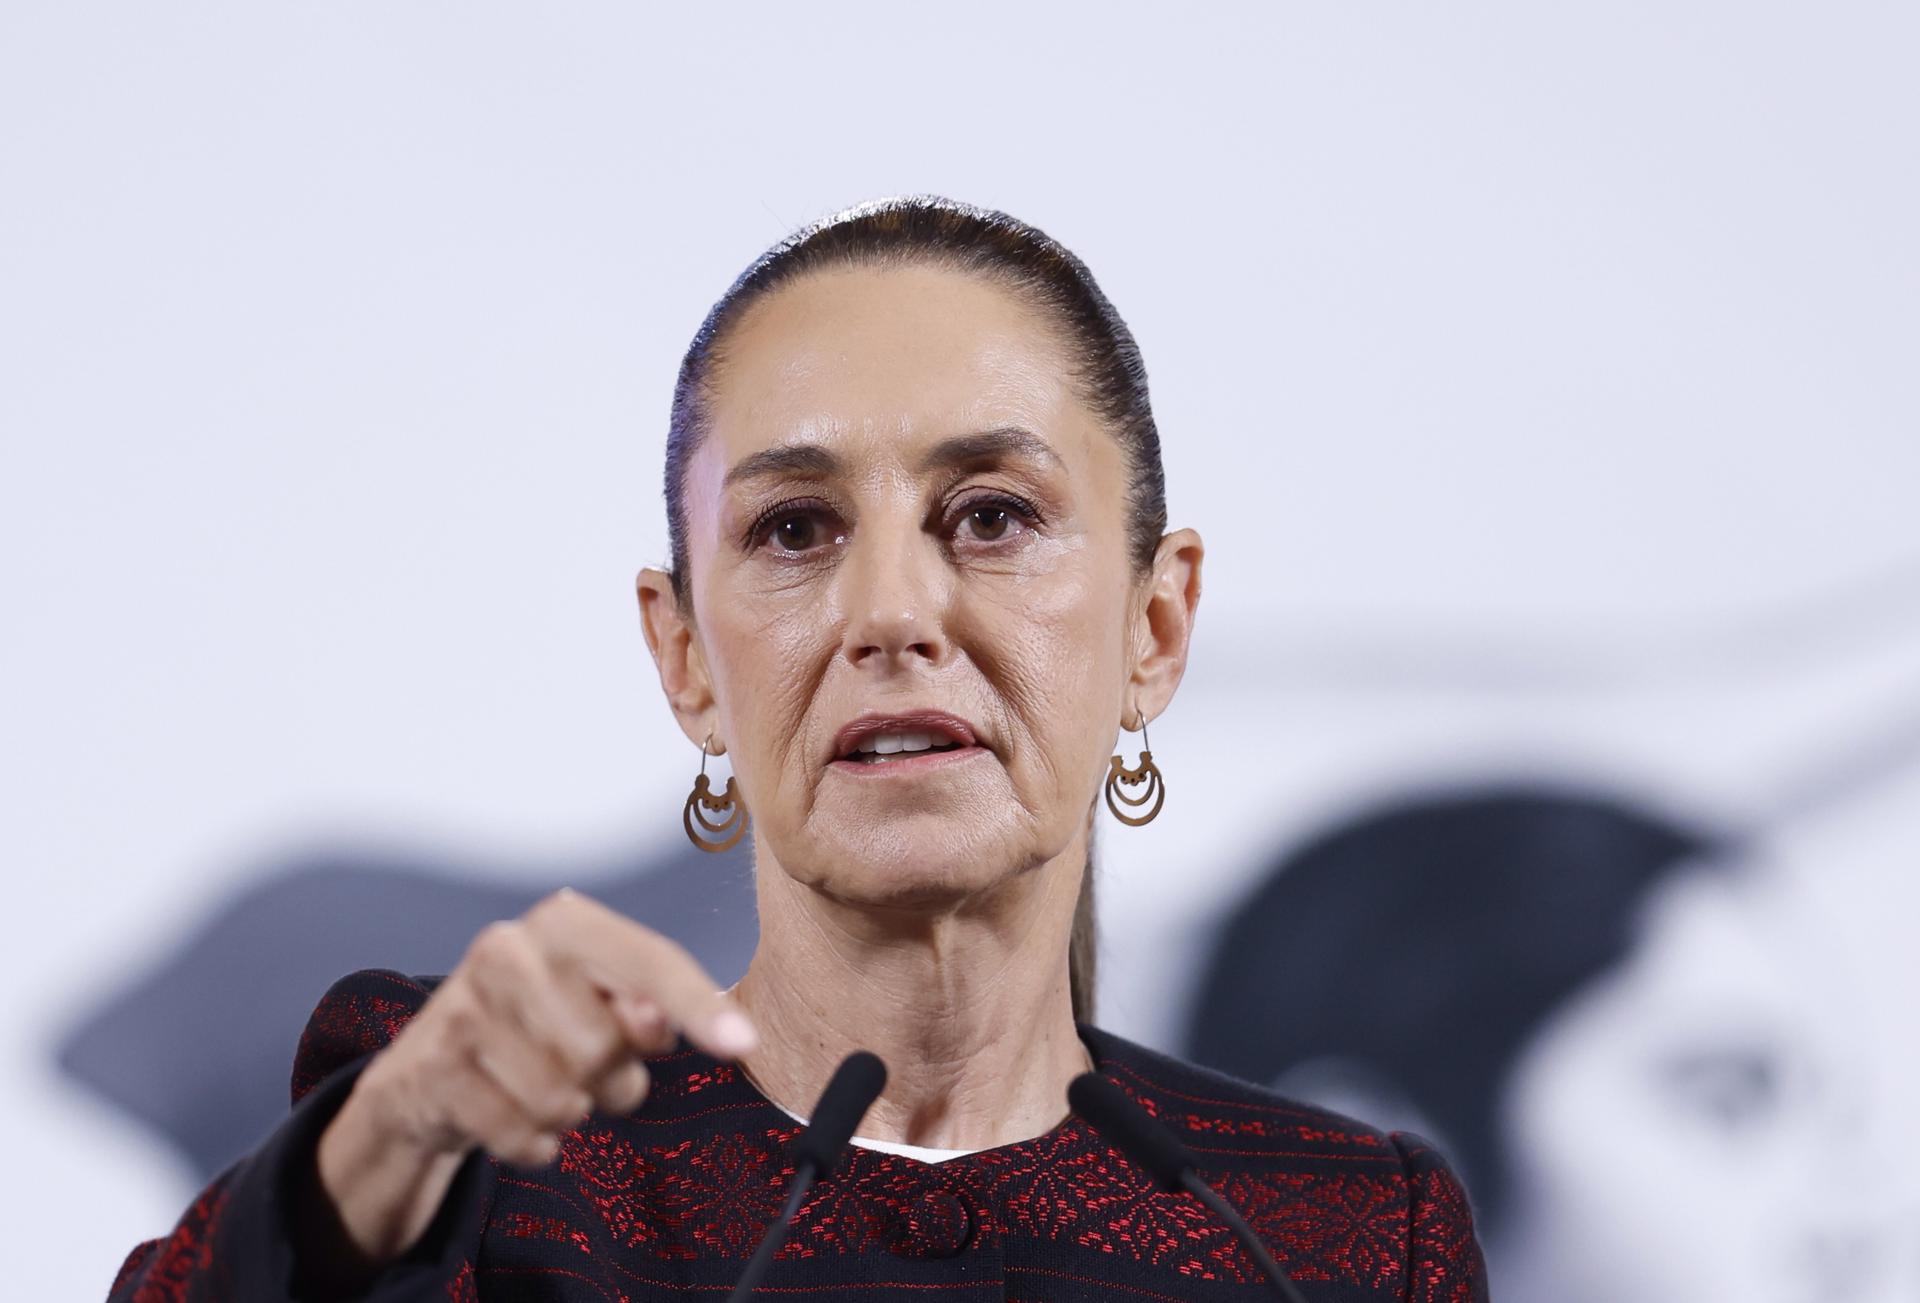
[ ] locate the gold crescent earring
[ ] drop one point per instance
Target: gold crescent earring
(1119, 777)
(708, 834)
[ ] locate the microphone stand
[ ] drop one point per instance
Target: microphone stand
(803, 1178)
(1190, 1182)
(1106, 1108)
(855, 1084)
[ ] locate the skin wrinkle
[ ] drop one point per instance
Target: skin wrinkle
(924, 917)
(799, 457)
(945, 1062)
(843, 949)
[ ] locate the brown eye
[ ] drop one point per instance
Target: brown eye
(988, 523)
(796, 533)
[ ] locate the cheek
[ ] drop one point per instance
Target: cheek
(765, 660)
(1050, 646)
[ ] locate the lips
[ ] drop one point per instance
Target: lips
(887, 738)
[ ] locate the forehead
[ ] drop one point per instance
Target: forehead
(1706, 964)
(911, 353)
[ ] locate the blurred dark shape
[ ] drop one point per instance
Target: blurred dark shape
(1427, 942)
(200, 1046)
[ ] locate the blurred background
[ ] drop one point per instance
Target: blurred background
(1543, 379)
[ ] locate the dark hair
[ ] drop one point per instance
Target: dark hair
(1428, 941)
(927, 230)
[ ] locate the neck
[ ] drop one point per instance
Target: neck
(969, 1006)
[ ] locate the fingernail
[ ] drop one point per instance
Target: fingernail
(731, 1033)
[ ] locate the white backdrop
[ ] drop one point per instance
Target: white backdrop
(1541, 377)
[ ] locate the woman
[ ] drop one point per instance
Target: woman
(920, 576)
(1526, 897)
(1648, 1014)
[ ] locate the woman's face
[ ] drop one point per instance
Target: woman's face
(915, 624)
(1686, 1130)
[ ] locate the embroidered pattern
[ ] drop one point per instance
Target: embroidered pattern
(168, 1269)
(635, 1203)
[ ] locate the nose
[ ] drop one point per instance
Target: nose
(894, 591)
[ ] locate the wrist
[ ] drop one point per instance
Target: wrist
(382, 1182)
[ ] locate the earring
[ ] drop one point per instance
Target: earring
(1118, 776)
(721, 835)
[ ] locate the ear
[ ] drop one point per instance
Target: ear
(1163, 626)
(677, 656)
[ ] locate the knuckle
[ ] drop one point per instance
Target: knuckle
(563, 1108)
(554, 905)
(586, 1050)
(649, 1026)
(497, 1129)
(461, 1020)
(627, 1088)
(522, 1149)
(498, 943)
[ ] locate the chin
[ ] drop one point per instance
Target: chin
(906, 861)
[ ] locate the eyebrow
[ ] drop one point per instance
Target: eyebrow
(960, 450)
(987, 445)
(787, 459)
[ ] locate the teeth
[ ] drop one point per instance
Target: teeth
(887, 744)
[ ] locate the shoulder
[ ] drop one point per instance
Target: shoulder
(1227, 1121)
(1289, 1164)
(359, 1014)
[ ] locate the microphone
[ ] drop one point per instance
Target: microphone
(1106, 1108)
(850, 1092)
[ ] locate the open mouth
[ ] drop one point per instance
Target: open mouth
(884, 748)
(904, 741)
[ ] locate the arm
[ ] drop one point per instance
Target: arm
(381, 1176)
(1444, 1262)
(261, 1231)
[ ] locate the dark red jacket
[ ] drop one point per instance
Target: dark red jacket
(671, 1199)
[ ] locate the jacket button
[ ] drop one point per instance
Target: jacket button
(936, 1225)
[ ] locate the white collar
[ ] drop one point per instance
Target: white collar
(923, 1153)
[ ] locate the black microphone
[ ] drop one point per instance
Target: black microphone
(850, 1092)
(1126, 1125)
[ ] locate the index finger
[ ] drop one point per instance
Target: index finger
(621, 956)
